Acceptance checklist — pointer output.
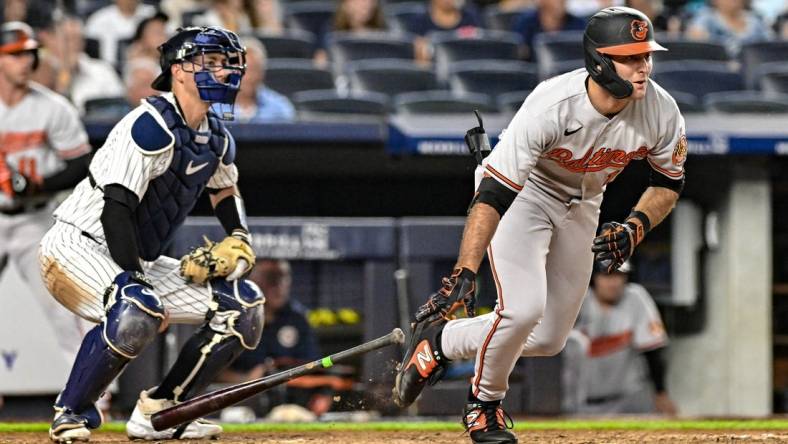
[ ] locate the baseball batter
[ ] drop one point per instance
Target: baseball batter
(103, 257)
(536, 211)
(43, 149)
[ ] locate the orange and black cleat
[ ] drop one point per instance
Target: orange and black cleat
(423, 362)
(488, 423)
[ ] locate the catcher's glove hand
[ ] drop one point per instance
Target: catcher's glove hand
(459, 289)
(214, 259)
(615, 245)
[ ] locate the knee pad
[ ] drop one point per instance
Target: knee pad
(134, 315)
(238, 310)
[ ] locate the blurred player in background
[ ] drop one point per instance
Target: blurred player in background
(289, 340)
(618, 327)
(536, 211)
(43, 149)
(103, 257)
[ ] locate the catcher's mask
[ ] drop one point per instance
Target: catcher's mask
(18, 37)
(616, 31)
(191, 45)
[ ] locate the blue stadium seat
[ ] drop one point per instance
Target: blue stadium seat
(492, 77)
(312, 16)
(512, 101)
(322, 102)
(500, 20)
(442, 102)
(346, 47)
(390, 76)
(450, 48)
(683, 49)
(399, 16)
(687, 103)
(558, 68)
(552, 49)
(773, 77)
(292, 44)
(746, 102)
(289, 76)
(698, 78)
(754, 55)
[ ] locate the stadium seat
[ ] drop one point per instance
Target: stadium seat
(326, 102)
(755, 55)
(345, 47)
(390, 76)
(442, 102)
(106, 109)
(559, 68)
(492, 77)
(687, 103)
(289, 76)
(683, 49)
(399, 16)
(773, 77)
(293, 44)
(746, 102)
(512, 101)
(501, 20)
(312, 16)
(450, 48)
(552, 49)
(698, 78)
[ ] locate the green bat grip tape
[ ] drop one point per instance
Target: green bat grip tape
(327, 362)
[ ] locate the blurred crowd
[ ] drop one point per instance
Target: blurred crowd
(100, 49)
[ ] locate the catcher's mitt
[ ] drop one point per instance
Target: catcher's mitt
(215, 259)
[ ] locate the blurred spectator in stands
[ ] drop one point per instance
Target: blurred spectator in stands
(138, 74)
(663, 19)
(515, 5)
(118, 21)
(730, 23)
(66, 68)
(150, 33)
(176, 8)
(548, 16)
(586, 8)
(604, 369)
(441, 16)
(288, 340)
(36, 13)
(354, 17)
(266, 16)
(256, 103)
(228, 14)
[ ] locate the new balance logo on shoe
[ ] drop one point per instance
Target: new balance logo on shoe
(424, 356)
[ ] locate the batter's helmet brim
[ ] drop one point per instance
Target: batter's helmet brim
(23, 45)
(632, 48)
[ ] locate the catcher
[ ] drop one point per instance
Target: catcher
(103, 260)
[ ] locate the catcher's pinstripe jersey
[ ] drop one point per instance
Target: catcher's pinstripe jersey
(558, 154)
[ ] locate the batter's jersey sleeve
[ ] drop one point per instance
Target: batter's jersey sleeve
(520, 146)
(66, 134)
(670, 153)
(648, 330)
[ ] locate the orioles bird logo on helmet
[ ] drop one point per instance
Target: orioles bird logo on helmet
(639, 30)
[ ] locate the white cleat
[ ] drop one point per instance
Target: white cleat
(139, 425)
(68, 428)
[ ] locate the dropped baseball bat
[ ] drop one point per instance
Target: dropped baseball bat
(202, 405)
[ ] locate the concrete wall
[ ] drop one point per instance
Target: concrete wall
(726, 369)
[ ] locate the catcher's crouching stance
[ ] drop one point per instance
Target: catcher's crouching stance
(103, 257)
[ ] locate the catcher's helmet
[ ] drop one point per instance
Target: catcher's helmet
(16, 37)
(189, 43)
(616, 31)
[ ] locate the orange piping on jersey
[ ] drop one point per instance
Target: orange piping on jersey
(74, 152)
(503, 178)
(20, 141)
(498, 319)
(595, 161)
(664, 171)
(606, 345)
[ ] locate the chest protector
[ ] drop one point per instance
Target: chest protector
(171, 196)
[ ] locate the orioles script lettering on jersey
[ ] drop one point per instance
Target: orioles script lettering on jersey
(595, 161)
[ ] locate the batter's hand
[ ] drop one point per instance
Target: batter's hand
(615, 245)
(459, 289)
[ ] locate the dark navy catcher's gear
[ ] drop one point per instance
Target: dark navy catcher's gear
(190, 45)
(616, 31)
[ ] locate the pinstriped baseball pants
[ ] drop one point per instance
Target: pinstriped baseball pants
(541, 261)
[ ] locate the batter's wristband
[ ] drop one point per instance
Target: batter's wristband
(641, 216)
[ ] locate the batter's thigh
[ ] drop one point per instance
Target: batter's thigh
(568, 267)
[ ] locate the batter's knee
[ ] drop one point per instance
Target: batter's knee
(546, 347)
(134, 315)
(522, 320)
(238, 310)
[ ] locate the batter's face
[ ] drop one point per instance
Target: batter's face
(635, 68)
(609, 288)
(17, 68)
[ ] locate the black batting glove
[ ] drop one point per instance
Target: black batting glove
(459, 290)
(616, 243)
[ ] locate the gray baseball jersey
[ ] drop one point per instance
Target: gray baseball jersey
(558, 153)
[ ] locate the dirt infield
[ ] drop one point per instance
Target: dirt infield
(407, 437)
